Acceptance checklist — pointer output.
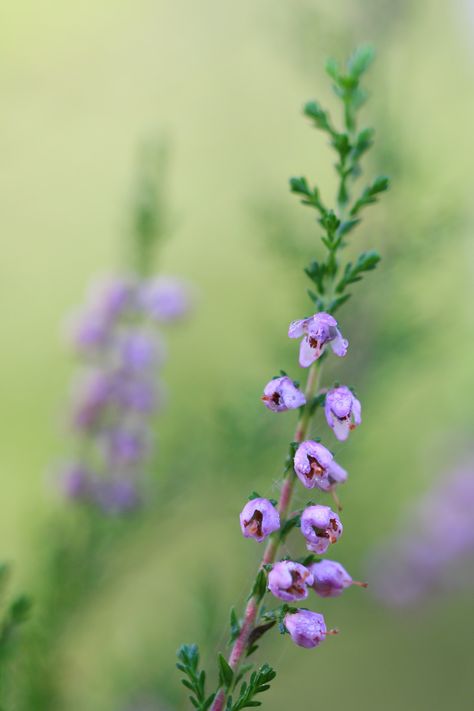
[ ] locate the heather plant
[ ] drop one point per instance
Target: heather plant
(117, 340)
(309, 463)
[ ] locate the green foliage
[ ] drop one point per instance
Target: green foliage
(350, 145)
(14, 614)
(352, 272)
(234, 626)
(258, 683)
(226, 675)
(259, 587)
(194, 680)
(369, 196)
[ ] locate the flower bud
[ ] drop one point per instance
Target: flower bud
(330, 578)
(307, 629)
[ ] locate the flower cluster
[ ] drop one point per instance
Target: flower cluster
(117, 391)
(433, 549)
(315, 467)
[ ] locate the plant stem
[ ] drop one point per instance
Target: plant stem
(271, 550)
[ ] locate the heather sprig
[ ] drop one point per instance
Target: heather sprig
(118, 339)
(308, 461)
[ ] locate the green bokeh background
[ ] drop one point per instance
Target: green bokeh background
(222, 83)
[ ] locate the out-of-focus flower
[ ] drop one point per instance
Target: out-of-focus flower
(115, 496)
(140, 351)
(117, 340)
(258, 519)
(165, 298)
(343, 411)
(306, 628)
(315, 467)
(125, 447)
(317, 332)
(321, 527)
(331, 578)
(281, 394)
(289, 581)
(76, 482)
(433, 551)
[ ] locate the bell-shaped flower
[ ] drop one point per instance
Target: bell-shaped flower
(317, 331)
(315, 467)
(343, 411)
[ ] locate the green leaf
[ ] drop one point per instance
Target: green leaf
(234, 625)
(316, 271)
(337, 302)
(259, 587)
(369, 196)
(332, 68)
(226, 674)
(300, 186)
(346, 226)
(361, 60)
(362, 143)
(366, 262)
(320, 117)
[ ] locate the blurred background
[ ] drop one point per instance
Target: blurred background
(222, 85)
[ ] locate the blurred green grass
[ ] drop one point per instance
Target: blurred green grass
(81, 87)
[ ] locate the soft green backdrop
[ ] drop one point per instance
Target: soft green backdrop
(82, 85)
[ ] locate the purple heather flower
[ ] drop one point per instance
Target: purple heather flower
(137, 394)
(90, 332)
(165, 299)
(306, 628)
(76, 482)
(315, 467)
(321, 527)
(139, 351)
(258, 519)
(317, 331)
(125, 447)
(116, 495)
(343, 411)
(281, 394)
(331, 578)
(289, 581)
(112, 297)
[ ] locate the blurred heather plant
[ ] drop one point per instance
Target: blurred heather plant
(118, 338)
(433, 550)
(309, 461)
(117, 393)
